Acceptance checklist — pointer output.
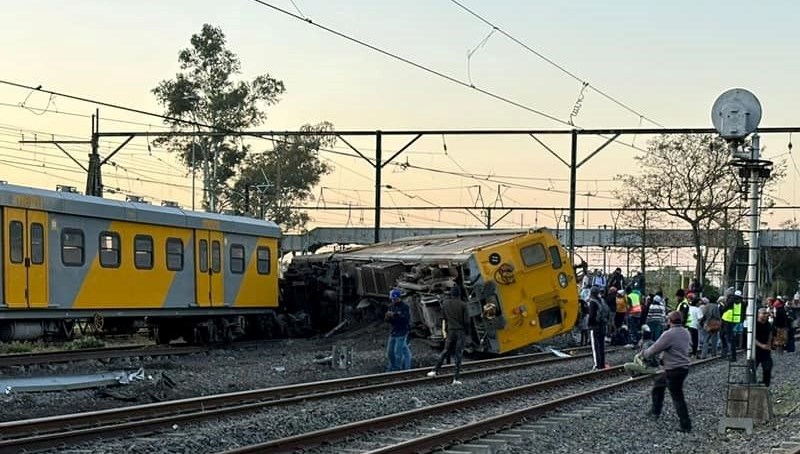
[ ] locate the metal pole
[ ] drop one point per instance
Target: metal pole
(573, 182)
(194, 143)
(378, 168)
(752, 261)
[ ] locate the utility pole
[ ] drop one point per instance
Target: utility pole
(94, 175)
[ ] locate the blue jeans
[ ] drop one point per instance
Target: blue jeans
(656, 328)
(398, 354)
(728, 340)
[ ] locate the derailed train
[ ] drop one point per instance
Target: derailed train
(520, 286)
(76, 261)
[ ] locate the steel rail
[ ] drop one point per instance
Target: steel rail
(46, 432)
(449, 437)
(31, 359)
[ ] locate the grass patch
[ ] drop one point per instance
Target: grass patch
(84, 342)
(16, 347)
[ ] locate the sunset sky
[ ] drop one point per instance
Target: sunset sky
(668, 61)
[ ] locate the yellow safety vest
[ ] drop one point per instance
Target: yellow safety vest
(688, 312)
(733, 315)
(635, 307)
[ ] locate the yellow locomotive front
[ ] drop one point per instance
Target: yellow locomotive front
(526, 291)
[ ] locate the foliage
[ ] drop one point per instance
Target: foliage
(272, 181)
(204, 91)
(84, 342)
(16, 347)
(688, 177)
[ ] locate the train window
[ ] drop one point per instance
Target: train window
(555, 257)
(237, 258)
(15, 241)
(533, 254)
(216, 257)
(72, 247)
(37, 243)
(202, 251)
(109, 250)
(143, 252)
(262, 259)
(174, 254)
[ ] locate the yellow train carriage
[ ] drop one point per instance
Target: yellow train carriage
(68, 257)
(520, 285)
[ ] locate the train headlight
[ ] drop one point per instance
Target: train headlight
(562, 280)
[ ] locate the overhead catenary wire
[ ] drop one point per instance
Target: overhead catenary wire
(420, 66)
(553, 63)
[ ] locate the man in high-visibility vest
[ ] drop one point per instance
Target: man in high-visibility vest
(731, 316)
(634, 314)
(682, 306)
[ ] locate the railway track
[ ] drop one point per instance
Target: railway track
(50, 432)
(388, 434)
(64, 356)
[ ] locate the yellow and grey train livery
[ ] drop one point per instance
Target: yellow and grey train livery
(520, 286)
(71, 259)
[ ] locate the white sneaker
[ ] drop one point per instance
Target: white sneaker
(432, 373)
(456, 382)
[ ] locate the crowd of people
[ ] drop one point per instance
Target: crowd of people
(667, 335)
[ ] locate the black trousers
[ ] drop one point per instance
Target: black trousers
(453, 347)
(765, 359)
(598, 339)
(693, 333)
(673, 380)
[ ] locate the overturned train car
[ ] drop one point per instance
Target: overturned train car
(520, 286)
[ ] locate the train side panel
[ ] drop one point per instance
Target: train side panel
(99, 264)
(251, 271)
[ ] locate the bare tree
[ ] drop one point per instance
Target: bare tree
(689, 177)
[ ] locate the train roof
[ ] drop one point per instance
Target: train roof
(449, 247)
(98, 207)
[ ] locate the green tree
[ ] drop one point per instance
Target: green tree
(689, 177)
(272, 181)
(205, 91)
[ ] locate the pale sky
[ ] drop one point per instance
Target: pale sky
(666, 60)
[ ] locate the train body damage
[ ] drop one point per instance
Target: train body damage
(519, 286)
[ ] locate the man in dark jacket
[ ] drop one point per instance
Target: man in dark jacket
(675, 344)
(764, 345)
(397, 351)
(457, 324)
(598, 320)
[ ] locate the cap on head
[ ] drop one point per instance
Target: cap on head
(675, 317)
(395, 294)
(621, 292)
(738, 293)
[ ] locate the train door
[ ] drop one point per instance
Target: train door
(217, 264)
(208, 271)
(25, 238)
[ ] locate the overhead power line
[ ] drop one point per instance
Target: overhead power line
(407, 61)
(553, 63)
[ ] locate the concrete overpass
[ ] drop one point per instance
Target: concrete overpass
(322, 236)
